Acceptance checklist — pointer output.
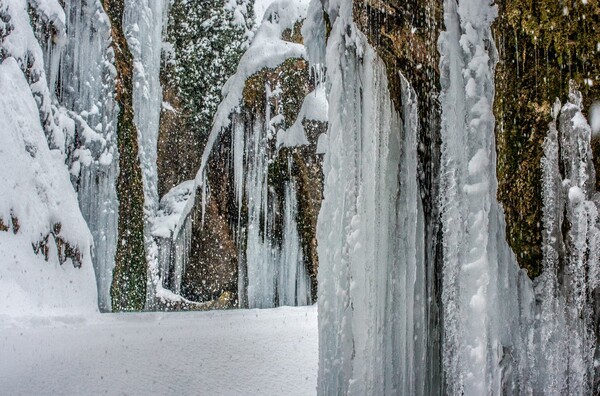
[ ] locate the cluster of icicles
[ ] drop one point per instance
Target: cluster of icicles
(390, 320)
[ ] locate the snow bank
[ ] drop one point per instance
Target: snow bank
(171, 207)
(37, 205)
(261, 8)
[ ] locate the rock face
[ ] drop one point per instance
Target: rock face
(129, 277)
(542, 46)
(257, 183)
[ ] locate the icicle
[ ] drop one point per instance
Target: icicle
(81, 79)
(293, 282)
(582, 214)
(373, 307)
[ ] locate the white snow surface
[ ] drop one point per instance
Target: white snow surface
(237, 352)
(171, 206)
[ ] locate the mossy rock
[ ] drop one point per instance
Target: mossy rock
(542, 45)
(292, 76)
(128, 289)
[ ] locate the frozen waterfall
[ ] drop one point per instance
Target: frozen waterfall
(500, 332)
(373, 299)
(274, 269)
(80, 74)
(144, 23)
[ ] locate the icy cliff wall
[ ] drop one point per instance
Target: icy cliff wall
(395, 317)
(252, 224)
(95, 75)
(45, 242)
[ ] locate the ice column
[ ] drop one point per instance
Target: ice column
(144, 23)
(372, 295)
(567, 343)
(293, 286)
(487, 299)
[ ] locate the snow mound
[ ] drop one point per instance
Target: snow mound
(166, 222)
(313, 108)
(38, 211)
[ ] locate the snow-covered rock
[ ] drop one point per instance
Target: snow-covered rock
(45, 243)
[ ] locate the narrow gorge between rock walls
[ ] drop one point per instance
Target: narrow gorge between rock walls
(421, 172)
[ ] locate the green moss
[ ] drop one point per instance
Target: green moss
(128, 289)
(293, 35)
(327, 25)
(542, 45)
(291, 76)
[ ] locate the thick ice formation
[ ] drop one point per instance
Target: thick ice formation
(483, 291)
(144, 23)
(499, 334)
(373, 302)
